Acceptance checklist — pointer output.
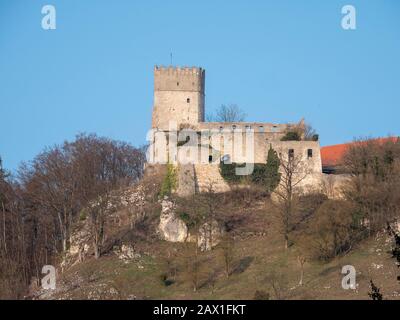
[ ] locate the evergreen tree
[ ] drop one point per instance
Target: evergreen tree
(272, 175)
(374, 294)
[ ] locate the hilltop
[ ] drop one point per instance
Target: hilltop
(137, 264)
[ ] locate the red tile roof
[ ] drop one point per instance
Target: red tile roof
(332, 155)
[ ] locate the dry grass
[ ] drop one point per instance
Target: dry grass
(261, 263)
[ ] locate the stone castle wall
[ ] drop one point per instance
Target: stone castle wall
(307, 153)
(308, 176)
(179, 98)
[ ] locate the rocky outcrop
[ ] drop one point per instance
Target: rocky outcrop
(80, 240)
(171, 228)
(133, 197)
(126, 253)
(209, 235)
(125, 207)
(395, 225)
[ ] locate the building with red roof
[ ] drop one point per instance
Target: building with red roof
(331, 156)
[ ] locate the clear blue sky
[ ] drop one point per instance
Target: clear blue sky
(278, 60)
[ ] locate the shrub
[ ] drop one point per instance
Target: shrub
(259, 174)
(291, 136)
(228, 172)
(375, 293)
(190, 220)
(334, 229)
(165, 280)
(374, 166)
(264, 174)
(82, 215)
(261, 295)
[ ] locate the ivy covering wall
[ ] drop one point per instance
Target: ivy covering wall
(264, 174)
(169, 183)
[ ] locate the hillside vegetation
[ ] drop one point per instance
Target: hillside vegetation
(87, 208)
(261, 267)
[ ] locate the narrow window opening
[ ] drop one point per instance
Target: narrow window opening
(188, 100)
(291, 153)
(210, 159)
(309, 153)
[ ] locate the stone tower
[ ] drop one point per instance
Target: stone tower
(178, 96)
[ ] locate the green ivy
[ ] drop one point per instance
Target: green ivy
(291, 136)
(190, 220)
(264, 174)
(228, 172)
(169, 182)
(82, 215)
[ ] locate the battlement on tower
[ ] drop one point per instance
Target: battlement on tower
(179, 79)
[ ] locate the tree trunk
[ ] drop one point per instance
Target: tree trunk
(96, 250)
(64, 243)
(301, 276)
(4, 227)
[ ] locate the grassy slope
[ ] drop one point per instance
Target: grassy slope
(111, 278)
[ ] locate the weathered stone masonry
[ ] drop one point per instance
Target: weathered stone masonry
(179, 98)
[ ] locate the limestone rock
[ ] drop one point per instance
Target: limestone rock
(126, 253)
(395, 225)
(171, 228)
(79, 241)
(209, 235)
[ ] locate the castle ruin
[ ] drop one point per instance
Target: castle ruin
(181, 136)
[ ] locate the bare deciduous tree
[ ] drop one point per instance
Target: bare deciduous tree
(209, 218)
(293, 172)
(278, 283)
(193, 270)
(302, 260)
(228, 253)
(374, 167)
(38, 209)
(227, 113)
(310, 134)
(103, 166)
